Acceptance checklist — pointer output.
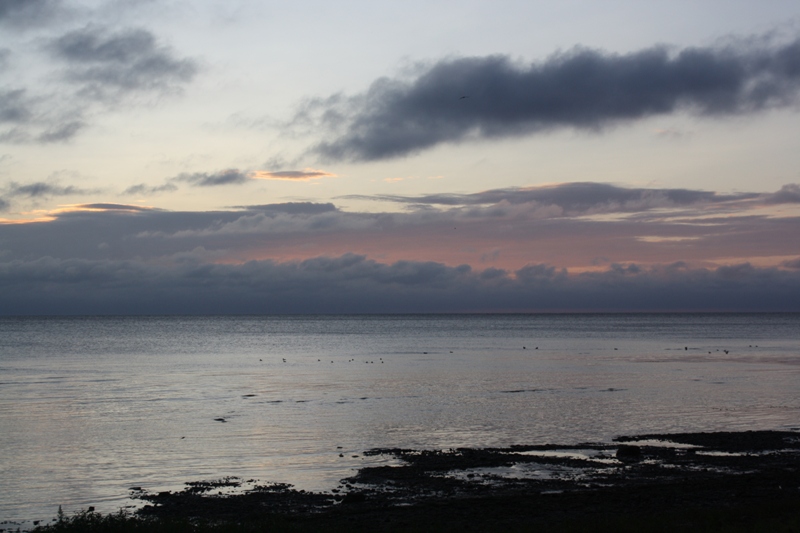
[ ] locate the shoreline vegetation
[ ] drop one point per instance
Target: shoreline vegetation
(719, 481)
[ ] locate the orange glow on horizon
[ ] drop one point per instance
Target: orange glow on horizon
(20, 221)
(39, 216)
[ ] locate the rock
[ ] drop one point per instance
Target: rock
(629, 453)
(354, 497)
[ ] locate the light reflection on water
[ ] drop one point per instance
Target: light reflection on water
(92, 406)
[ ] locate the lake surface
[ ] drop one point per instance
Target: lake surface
(91, 406)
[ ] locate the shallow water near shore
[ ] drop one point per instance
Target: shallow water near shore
(92, 406)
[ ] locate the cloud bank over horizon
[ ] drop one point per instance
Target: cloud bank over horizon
(571, 247)
(354, 284)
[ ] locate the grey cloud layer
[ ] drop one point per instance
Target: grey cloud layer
(493, 97)
(583, 197)
(355, 284)
(157, 232)
(292, 208)
(116, 258)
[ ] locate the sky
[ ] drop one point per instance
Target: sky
(240, 157)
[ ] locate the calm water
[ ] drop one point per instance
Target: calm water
(92, 406)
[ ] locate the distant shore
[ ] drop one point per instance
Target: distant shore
(721, 481)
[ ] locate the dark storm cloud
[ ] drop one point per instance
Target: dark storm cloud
(223, 177)
(104, 64)
(354, 284)
(494, 97)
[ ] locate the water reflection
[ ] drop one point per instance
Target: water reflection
(89, 408)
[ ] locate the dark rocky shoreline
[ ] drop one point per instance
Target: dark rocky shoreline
(741, 475)
(720, 481)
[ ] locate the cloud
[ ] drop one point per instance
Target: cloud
(355, 284)
(61, 132)
(42, 189)
(576, 198)
(292, 208)
(106, 64)
(112, 207)
(13, 106)
(98, 70)
(230, 176)
(37, 190)
(22, 14)
(788, 194)
(233, 176)
(293, 175)
(144, 189)
(582, 88)
(513, 241)
(5, 53)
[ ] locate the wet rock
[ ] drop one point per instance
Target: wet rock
(629, 453)
(442, 484)
(354, 497)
